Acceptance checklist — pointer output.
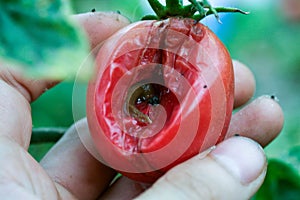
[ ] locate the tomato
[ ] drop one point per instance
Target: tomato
(162, 93)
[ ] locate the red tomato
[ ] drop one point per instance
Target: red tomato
(162, 93)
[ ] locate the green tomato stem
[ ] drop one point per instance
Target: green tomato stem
(220, 10)
(198, 6)
(173, 4)
(175, 8)
(157, 7)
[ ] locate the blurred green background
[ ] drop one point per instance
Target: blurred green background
(266, 40)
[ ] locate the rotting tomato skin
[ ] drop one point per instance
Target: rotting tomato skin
(185, 43)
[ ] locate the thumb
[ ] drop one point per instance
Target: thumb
(234, 169)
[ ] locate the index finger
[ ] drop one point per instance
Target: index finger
(80, 172)
(100, 25)
(17, 91)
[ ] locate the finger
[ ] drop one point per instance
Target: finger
(233, 170)
(244, 84)
(80, 172)
(16, 90)
(261, 120)
(70, 164)
(124, 189)
(31, 89)
(100, 25)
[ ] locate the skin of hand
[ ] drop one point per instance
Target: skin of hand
(291, 9)
(234, 169)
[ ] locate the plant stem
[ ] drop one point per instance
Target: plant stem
(229, 10)
(220, 10)
(46, 134)
(157, 7)
(199, 7)
(175, 8)
(173, 3)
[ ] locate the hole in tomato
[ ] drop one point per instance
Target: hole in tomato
(142, 99)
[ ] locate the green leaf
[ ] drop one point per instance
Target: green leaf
(283, 178)
(38, 151)
(40, 37)
(293, 158)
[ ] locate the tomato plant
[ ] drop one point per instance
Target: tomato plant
(162, 91)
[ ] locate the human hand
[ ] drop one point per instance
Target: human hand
(69, 171)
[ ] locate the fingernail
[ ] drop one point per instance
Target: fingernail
(241, 157)
(206, 152)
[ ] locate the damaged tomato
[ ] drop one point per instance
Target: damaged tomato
(162, 93)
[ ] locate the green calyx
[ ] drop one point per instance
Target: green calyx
(197, 10)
